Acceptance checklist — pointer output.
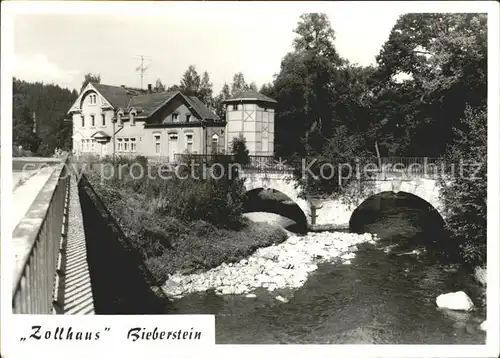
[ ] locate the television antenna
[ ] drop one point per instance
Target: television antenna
(143, 66)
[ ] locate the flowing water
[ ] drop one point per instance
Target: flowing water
(386, 296)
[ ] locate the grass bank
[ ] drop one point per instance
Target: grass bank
(183, 225)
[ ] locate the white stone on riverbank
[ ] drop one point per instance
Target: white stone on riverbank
(455, 301)
(483, 325)
(286, 265)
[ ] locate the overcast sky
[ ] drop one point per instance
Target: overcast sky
(61, 48)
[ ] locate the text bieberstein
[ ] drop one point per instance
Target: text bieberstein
(137, 333)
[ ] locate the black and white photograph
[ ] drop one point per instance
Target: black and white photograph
(306, 173)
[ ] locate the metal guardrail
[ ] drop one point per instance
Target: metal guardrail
(35, 288)
(407, 165)
(271, 164)
(256, 162)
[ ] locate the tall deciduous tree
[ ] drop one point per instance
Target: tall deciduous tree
(238, 83)
(315, 35)
(307, 88)
(219, 99)
(190, 82)
(205, 93)
(434, 64)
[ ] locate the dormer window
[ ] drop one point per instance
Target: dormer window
(83, 121)
(235, 107)
(93, 98)
(175, 117)
(188, 117)
(119, 115)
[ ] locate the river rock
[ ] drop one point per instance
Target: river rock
(251, 295)
(348, 256)
(455, 301)
(281, 299)
(285, 265)
(292, 240)
(482, 326)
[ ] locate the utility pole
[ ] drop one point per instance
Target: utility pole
(142, 68)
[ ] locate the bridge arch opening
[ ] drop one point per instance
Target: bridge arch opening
(273, 201)
(402, 219)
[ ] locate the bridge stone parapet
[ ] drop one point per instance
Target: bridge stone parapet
(282, 182)
(334, 212)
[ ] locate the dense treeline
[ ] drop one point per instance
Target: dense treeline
(48, 104)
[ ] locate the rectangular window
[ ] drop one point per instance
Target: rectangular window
(235, 107)
(157, 144)
(133, 145)
(125, 144)
(175, 117)
(188, 117)
(103, 117)
(215, 143)
(104, 148)
(82, 149)
(120, 145)
(93, 145)
(92, 120)
(83, 121)
(189, 142)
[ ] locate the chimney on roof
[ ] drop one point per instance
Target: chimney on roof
(150, 88)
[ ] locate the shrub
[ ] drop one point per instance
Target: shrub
(142, 160)
(465, 195)
(239, 150)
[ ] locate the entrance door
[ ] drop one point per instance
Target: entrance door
(172, 147)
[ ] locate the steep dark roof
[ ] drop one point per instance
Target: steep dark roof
(201, 109)
(117, 96)
(250, 95)
(149, 103)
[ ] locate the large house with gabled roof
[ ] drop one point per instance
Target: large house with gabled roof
(118, 120)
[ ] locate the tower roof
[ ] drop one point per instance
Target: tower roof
(249, 96)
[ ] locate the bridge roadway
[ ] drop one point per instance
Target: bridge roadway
(51, 262)
(51, 273)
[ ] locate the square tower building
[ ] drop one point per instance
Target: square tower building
(251, 114)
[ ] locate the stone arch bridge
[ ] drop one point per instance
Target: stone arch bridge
(335, 212)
